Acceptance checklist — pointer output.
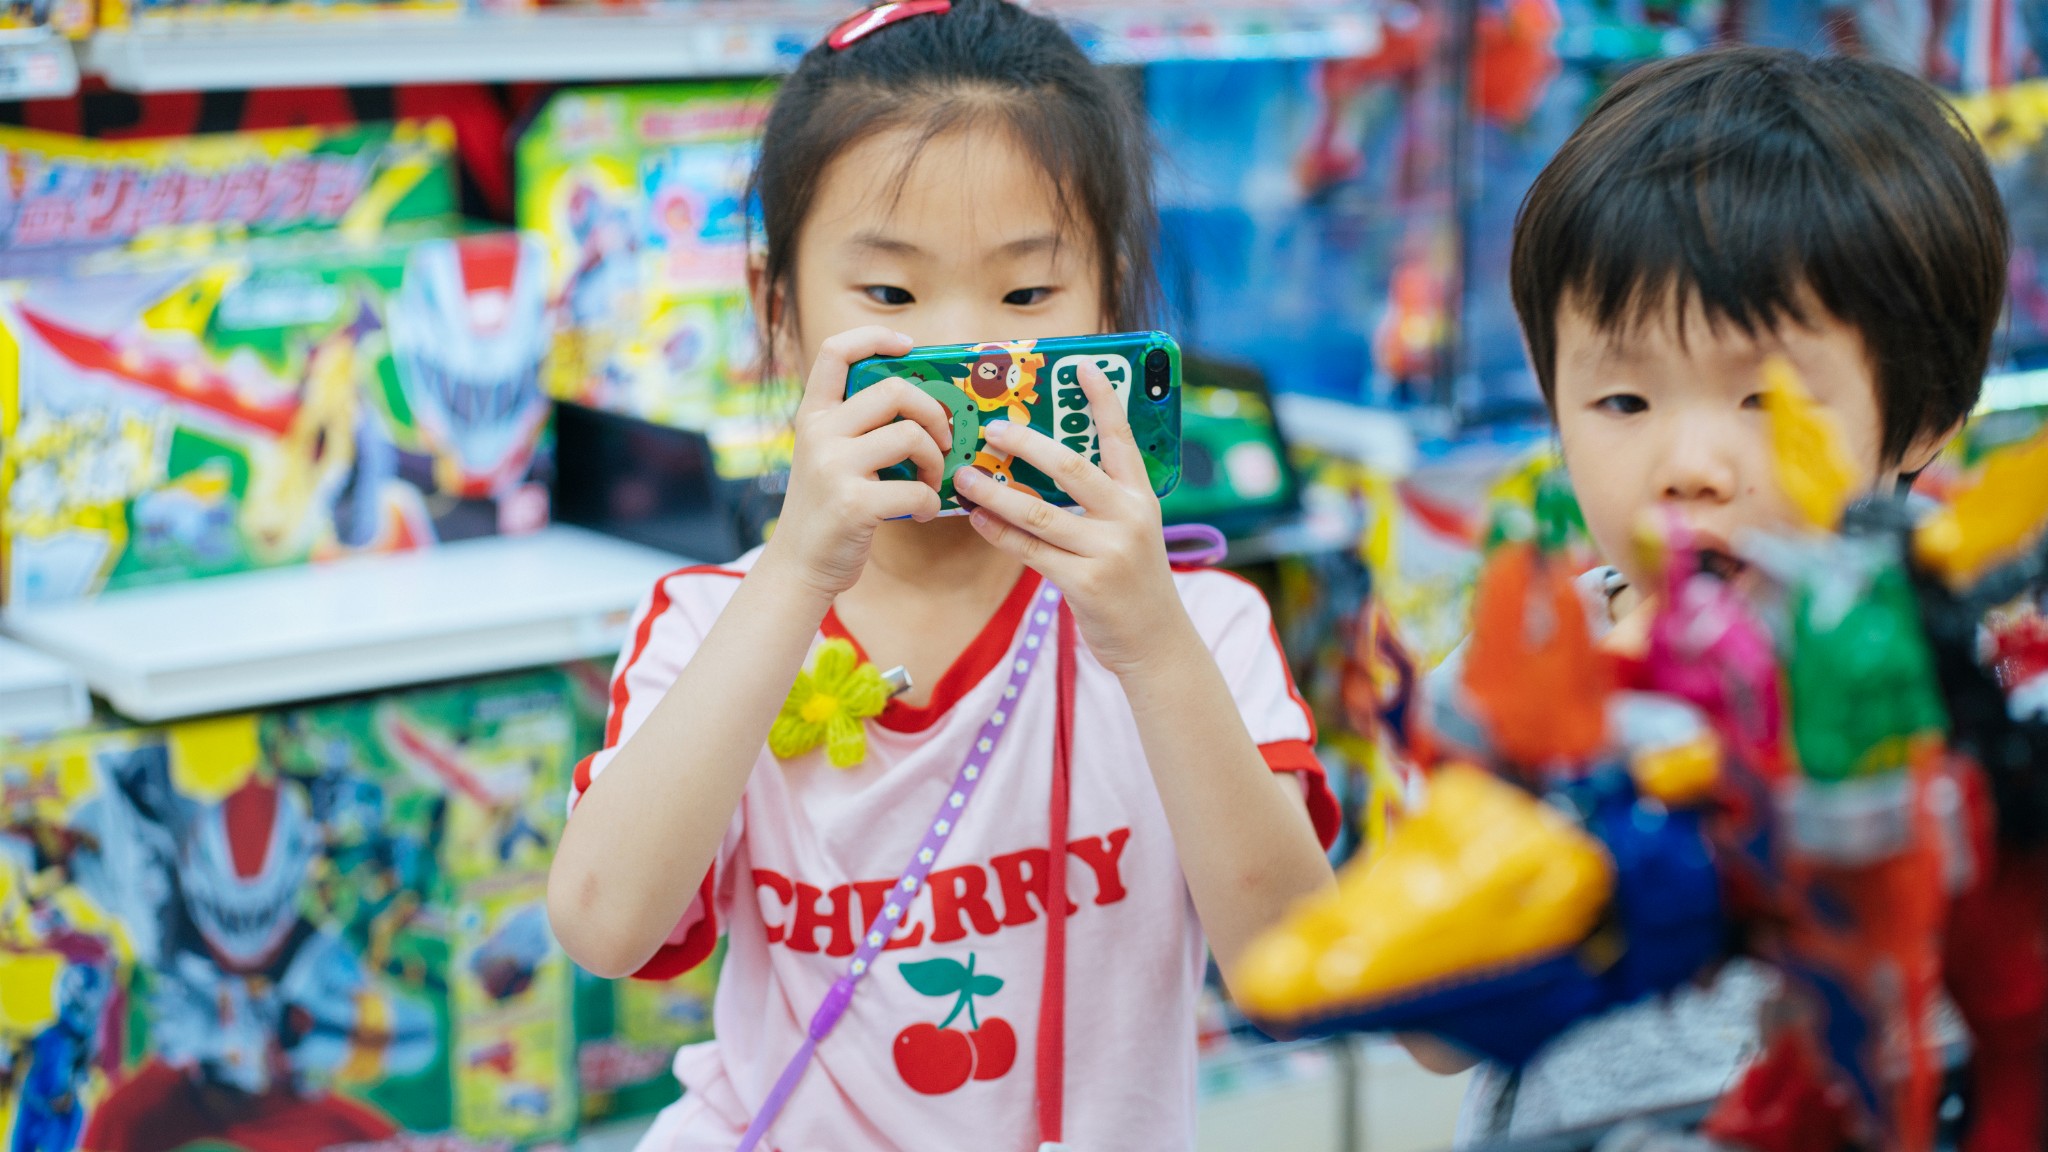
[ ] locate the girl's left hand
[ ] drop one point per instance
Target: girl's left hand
(1110, 563)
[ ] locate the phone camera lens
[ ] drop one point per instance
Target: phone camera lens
(1158, 374)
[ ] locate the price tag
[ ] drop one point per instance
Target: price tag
(36, 63)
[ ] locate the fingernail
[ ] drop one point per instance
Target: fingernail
(994, 426)
(967, 477)
(905, 339)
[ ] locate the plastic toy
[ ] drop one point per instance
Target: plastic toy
(1826, 767)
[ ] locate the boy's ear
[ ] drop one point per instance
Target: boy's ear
(1925, 447)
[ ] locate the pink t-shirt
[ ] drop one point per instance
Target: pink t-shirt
(812, 850)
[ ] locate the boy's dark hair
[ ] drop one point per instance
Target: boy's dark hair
(984, 63)
(1750, 177)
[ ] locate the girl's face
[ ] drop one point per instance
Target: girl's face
(965, 246)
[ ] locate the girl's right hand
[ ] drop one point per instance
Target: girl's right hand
(835, 500)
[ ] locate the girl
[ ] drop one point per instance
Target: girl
(937, 174)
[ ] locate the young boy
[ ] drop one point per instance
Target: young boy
(1714, 210)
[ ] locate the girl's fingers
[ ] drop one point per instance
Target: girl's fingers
(1046, 559)
(1054, 525)
(893, 399)
(1087, 484)
(892, 444)
(826, 385)
(1121, 460)
(896, 499)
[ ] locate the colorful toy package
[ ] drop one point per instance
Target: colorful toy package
(1834, 743)
(67, 192)
(268, 405)
(640, 195)
(255, 932)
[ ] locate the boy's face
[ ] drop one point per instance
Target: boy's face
(1648, 422)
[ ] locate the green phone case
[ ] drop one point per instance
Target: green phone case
(1037, 382)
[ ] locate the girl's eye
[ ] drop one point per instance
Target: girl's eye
(889, 294)
(1025, 297)
(1754, 400)
(1623, 404)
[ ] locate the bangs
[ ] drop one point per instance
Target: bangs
(1763, 184)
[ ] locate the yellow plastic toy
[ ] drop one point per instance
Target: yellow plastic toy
(1995, 516)
(1482, 875)
(1813, 470)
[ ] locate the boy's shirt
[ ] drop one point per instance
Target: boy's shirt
(812, 852)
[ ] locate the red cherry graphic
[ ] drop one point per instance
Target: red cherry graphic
(933, 1060)
(995, 1048)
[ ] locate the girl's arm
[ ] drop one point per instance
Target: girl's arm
(648, 828)
(1246, 846)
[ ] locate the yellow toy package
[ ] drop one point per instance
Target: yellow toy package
(640, 196)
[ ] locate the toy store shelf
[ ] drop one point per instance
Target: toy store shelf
(1375, 438)
(35, 63)
(702, 38)
(263, 638)
(37, 693)
(1324, 526)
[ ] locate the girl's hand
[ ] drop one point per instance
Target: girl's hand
(1111, 563)
(835, 500)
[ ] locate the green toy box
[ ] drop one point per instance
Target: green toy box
(168, 418)
(304, 929)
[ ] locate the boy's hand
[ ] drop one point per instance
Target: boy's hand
(1112, 562)
(835, 500)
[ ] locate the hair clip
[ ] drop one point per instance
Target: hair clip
(852, 29)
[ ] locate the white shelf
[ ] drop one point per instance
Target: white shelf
(38, 694)
(706, 38)
(36, 63)
(264, 638)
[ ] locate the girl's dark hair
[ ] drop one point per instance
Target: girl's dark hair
(985, 63)
(1751, 177)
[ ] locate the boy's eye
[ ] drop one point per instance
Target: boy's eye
(889, 294)
(1753, 400)
(1025, 297)
(1624, 404)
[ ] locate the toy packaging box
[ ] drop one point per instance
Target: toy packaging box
(306, 929)
(640, 197)
(64, 192)
(268, 405)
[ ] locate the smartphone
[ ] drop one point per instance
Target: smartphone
(1038, 382)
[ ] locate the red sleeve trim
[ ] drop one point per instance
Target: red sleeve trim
(580, 782)
(640, 637)
(672, 960)
(1323, 810)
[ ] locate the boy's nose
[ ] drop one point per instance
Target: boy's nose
(1691, 469)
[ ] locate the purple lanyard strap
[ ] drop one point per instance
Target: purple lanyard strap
(1044, 610)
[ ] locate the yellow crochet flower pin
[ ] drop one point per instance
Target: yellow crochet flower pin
(827, 704)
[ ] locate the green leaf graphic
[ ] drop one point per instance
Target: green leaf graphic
(987, 985)
(939, 977)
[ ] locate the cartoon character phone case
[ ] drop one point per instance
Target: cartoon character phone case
(1037, 382)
